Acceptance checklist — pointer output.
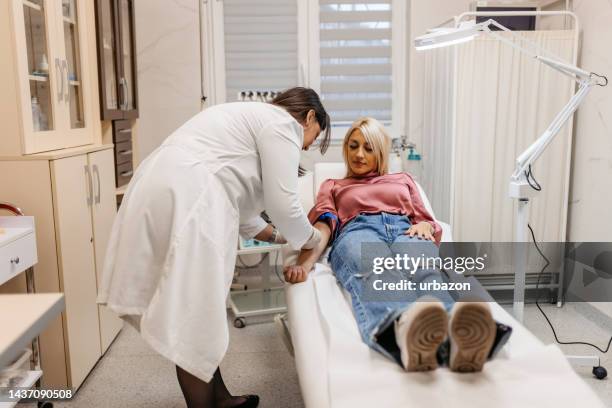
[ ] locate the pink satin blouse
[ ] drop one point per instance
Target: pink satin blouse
(341, 200)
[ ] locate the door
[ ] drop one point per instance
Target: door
(103, 214)
(73, 46)
(127, 73)
(117, 56)
(39, 73)
(108, 59)
(73, 198)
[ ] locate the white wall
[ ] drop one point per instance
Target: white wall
(424, 14)
(309, 158)
(168, 57)
(590, 215)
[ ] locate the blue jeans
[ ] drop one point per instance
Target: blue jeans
(375, 317)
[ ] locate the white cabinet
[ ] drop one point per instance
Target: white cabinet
(72, 185)
(48, 69)
(71, 194)
(103, 209)
(17, 252)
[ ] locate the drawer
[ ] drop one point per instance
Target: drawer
(122, 131)
(124, 173)
(123, 152)
(17, 256)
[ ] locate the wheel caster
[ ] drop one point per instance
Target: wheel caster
(600, 372)
(239, 322)
(45, 404)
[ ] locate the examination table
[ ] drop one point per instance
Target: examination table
(336, 369)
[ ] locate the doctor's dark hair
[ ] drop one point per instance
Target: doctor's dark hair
(298, 102)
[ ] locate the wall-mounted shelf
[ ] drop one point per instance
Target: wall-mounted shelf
(38, 78)
(32, 5)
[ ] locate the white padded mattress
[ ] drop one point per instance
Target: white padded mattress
(336, 369)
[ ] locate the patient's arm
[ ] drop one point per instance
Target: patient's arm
(308, 257)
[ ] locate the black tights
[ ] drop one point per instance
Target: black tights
(199, 394)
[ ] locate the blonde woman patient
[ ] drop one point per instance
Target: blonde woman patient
(370, 205)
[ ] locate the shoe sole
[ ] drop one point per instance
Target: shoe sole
(427, 332)
(472, 334)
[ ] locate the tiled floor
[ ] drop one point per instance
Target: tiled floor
(133, 375)
(577, 322)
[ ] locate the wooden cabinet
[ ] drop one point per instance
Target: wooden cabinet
(117, 59)
(71, 194)
(46, 98)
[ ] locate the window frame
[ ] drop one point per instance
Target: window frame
(398, 62)
(308, 48)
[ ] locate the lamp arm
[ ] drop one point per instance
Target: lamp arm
(536, 51)
(567, 69)
(533, 152)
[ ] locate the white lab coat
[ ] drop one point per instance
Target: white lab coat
(172, 250)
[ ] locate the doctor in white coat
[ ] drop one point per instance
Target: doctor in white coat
(172, 251)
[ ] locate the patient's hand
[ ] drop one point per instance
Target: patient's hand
(422, 230)
(296, 273)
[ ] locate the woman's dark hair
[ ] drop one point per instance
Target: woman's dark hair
(298, 102)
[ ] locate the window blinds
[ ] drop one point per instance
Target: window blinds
(260, 45)
(355, 55)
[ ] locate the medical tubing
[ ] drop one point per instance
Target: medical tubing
(281, 280)
(544, 314)
(263, 258)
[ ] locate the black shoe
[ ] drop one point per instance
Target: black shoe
(252, 401)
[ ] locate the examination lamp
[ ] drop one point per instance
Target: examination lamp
(443, 37)
(520, 181)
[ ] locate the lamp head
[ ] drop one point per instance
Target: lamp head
(446, 36)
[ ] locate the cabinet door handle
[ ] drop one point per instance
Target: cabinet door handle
(97, 173)
(123, 94)
(125, 152)
(67, 96)
(89, 185)
(58, 76)
(126, 173)
(127, 95)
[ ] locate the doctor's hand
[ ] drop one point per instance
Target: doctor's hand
(422, 230)
(296, 273)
